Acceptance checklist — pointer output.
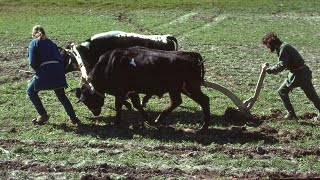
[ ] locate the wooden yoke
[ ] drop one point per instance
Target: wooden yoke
(80, 63)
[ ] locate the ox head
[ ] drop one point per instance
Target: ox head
(68, 58)
(91, 98)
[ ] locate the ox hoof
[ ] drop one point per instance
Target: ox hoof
(41, 120)
(76, 121)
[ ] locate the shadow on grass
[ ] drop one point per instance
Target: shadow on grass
(97, 130)
(230, 132)
(188, 116)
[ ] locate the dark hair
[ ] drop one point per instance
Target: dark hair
(271, 39)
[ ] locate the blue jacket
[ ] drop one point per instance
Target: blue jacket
(45, 60)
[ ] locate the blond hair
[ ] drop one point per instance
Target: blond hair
(38, 32)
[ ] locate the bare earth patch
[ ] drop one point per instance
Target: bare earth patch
(103, 171)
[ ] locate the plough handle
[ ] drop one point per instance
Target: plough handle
(250, 102)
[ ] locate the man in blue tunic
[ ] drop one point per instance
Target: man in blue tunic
(299, 73)
(45, 60)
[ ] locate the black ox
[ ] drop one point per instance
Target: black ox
(130, 71)
(91, 49)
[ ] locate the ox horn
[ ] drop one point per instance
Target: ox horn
(91, 88)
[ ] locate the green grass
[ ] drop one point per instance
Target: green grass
(226, 33)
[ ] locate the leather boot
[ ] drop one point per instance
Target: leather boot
(291, 116)
(40, 120)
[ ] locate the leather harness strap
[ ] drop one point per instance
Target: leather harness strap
(299, 68)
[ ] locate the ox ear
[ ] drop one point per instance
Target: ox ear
(68, 45)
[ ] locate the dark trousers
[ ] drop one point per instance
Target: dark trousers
(306, 86)
(35, 99)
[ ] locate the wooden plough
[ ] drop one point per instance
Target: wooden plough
(243, 106)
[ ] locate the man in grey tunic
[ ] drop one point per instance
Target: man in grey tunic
(299, 74)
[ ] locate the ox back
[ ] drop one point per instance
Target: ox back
(146, 71)
(93, 48)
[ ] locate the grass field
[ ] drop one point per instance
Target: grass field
(226, 33)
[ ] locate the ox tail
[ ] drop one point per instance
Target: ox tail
(201, 64)
(174, 40)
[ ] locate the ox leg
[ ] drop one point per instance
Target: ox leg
(175, 101)
(118, 104)
(128, 105)
(195, 93)
(146, 99)
(136, 104)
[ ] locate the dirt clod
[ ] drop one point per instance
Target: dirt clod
(237, 117)
(267, 129)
